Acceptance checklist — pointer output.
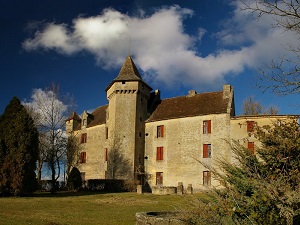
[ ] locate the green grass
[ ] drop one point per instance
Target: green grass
(83, 208)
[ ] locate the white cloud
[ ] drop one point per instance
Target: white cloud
(162, 49)
(46, 109)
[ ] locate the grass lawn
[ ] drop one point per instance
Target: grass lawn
(83, 208)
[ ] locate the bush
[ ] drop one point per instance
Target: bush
(74, 180)
(106, 185)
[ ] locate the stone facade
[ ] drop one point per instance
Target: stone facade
(138, 136)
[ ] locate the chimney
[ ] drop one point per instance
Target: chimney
(192, 93)
(227, 89)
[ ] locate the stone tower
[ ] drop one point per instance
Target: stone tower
(128, 95)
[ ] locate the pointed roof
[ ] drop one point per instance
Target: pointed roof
(128, 72)
(73, 116)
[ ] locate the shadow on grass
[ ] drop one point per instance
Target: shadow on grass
(61, 194)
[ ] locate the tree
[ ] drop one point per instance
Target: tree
(280, 76)
(261, 188)
(72, 154)
(51, 110)
(18, 150)
(251, 107)
(74, 179)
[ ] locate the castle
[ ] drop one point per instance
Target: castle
(139, 136)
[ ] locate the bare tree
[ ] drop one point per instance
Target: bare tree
(72, 153)
(251, 107)
(281, 76)
(50, 110)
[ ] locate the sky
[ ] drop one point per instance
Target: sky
(177, 45)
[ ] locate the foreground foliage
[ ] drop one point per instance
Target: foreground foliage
(18, 150)
(258, 189)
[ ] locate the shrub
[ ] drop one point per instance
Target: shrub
(74, 180)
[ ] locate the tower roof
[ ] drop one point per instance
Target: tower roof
(128, 72)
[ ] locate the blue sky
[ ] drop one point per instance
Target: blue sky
(177, 46)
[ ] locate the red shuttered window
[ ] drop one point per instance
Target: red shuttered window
(206, 126)
(207, 151)
(83, 138)
(82, 158)
(160, 153)
(250, 126)
(160, 131)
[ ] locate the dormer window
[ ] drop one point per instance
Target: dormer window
(84, 122)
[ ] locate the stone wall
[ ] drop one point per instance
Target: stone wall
(158, 218)
(183, 149)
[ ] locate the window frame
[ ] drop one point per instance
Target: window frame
(105, 154)
(106, 132)
(83, 138)
(206, 126)
(206, 178)
(160, 131)
(207, 151)
(82, 157)
(250, 126)
(159, 153)
(159, 178)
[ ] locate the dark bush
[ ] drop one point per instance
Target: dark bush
(106, 185)
(74, 180)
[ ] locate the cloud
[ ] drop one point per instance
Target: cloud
(161, 47)
(46, 109)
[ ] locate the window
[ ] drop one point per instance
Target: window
(250, 126)
(160, 131)
(159, 178)
(206, 178)
(160, 153)
(106, 132)
(105, 154)
(84, 122)
(82, 158)
(206, 126)
(83, 138)
(251, 147)
(207, 151)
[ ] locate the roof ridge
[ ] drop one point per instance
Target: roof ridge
(184, 96)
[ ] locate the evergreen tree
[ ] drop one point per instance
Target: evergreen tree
(18, 150)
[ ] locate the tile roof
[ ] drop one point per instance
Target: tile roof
(128, 72)
(188, 106)
(74, 116)
(99, 116)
